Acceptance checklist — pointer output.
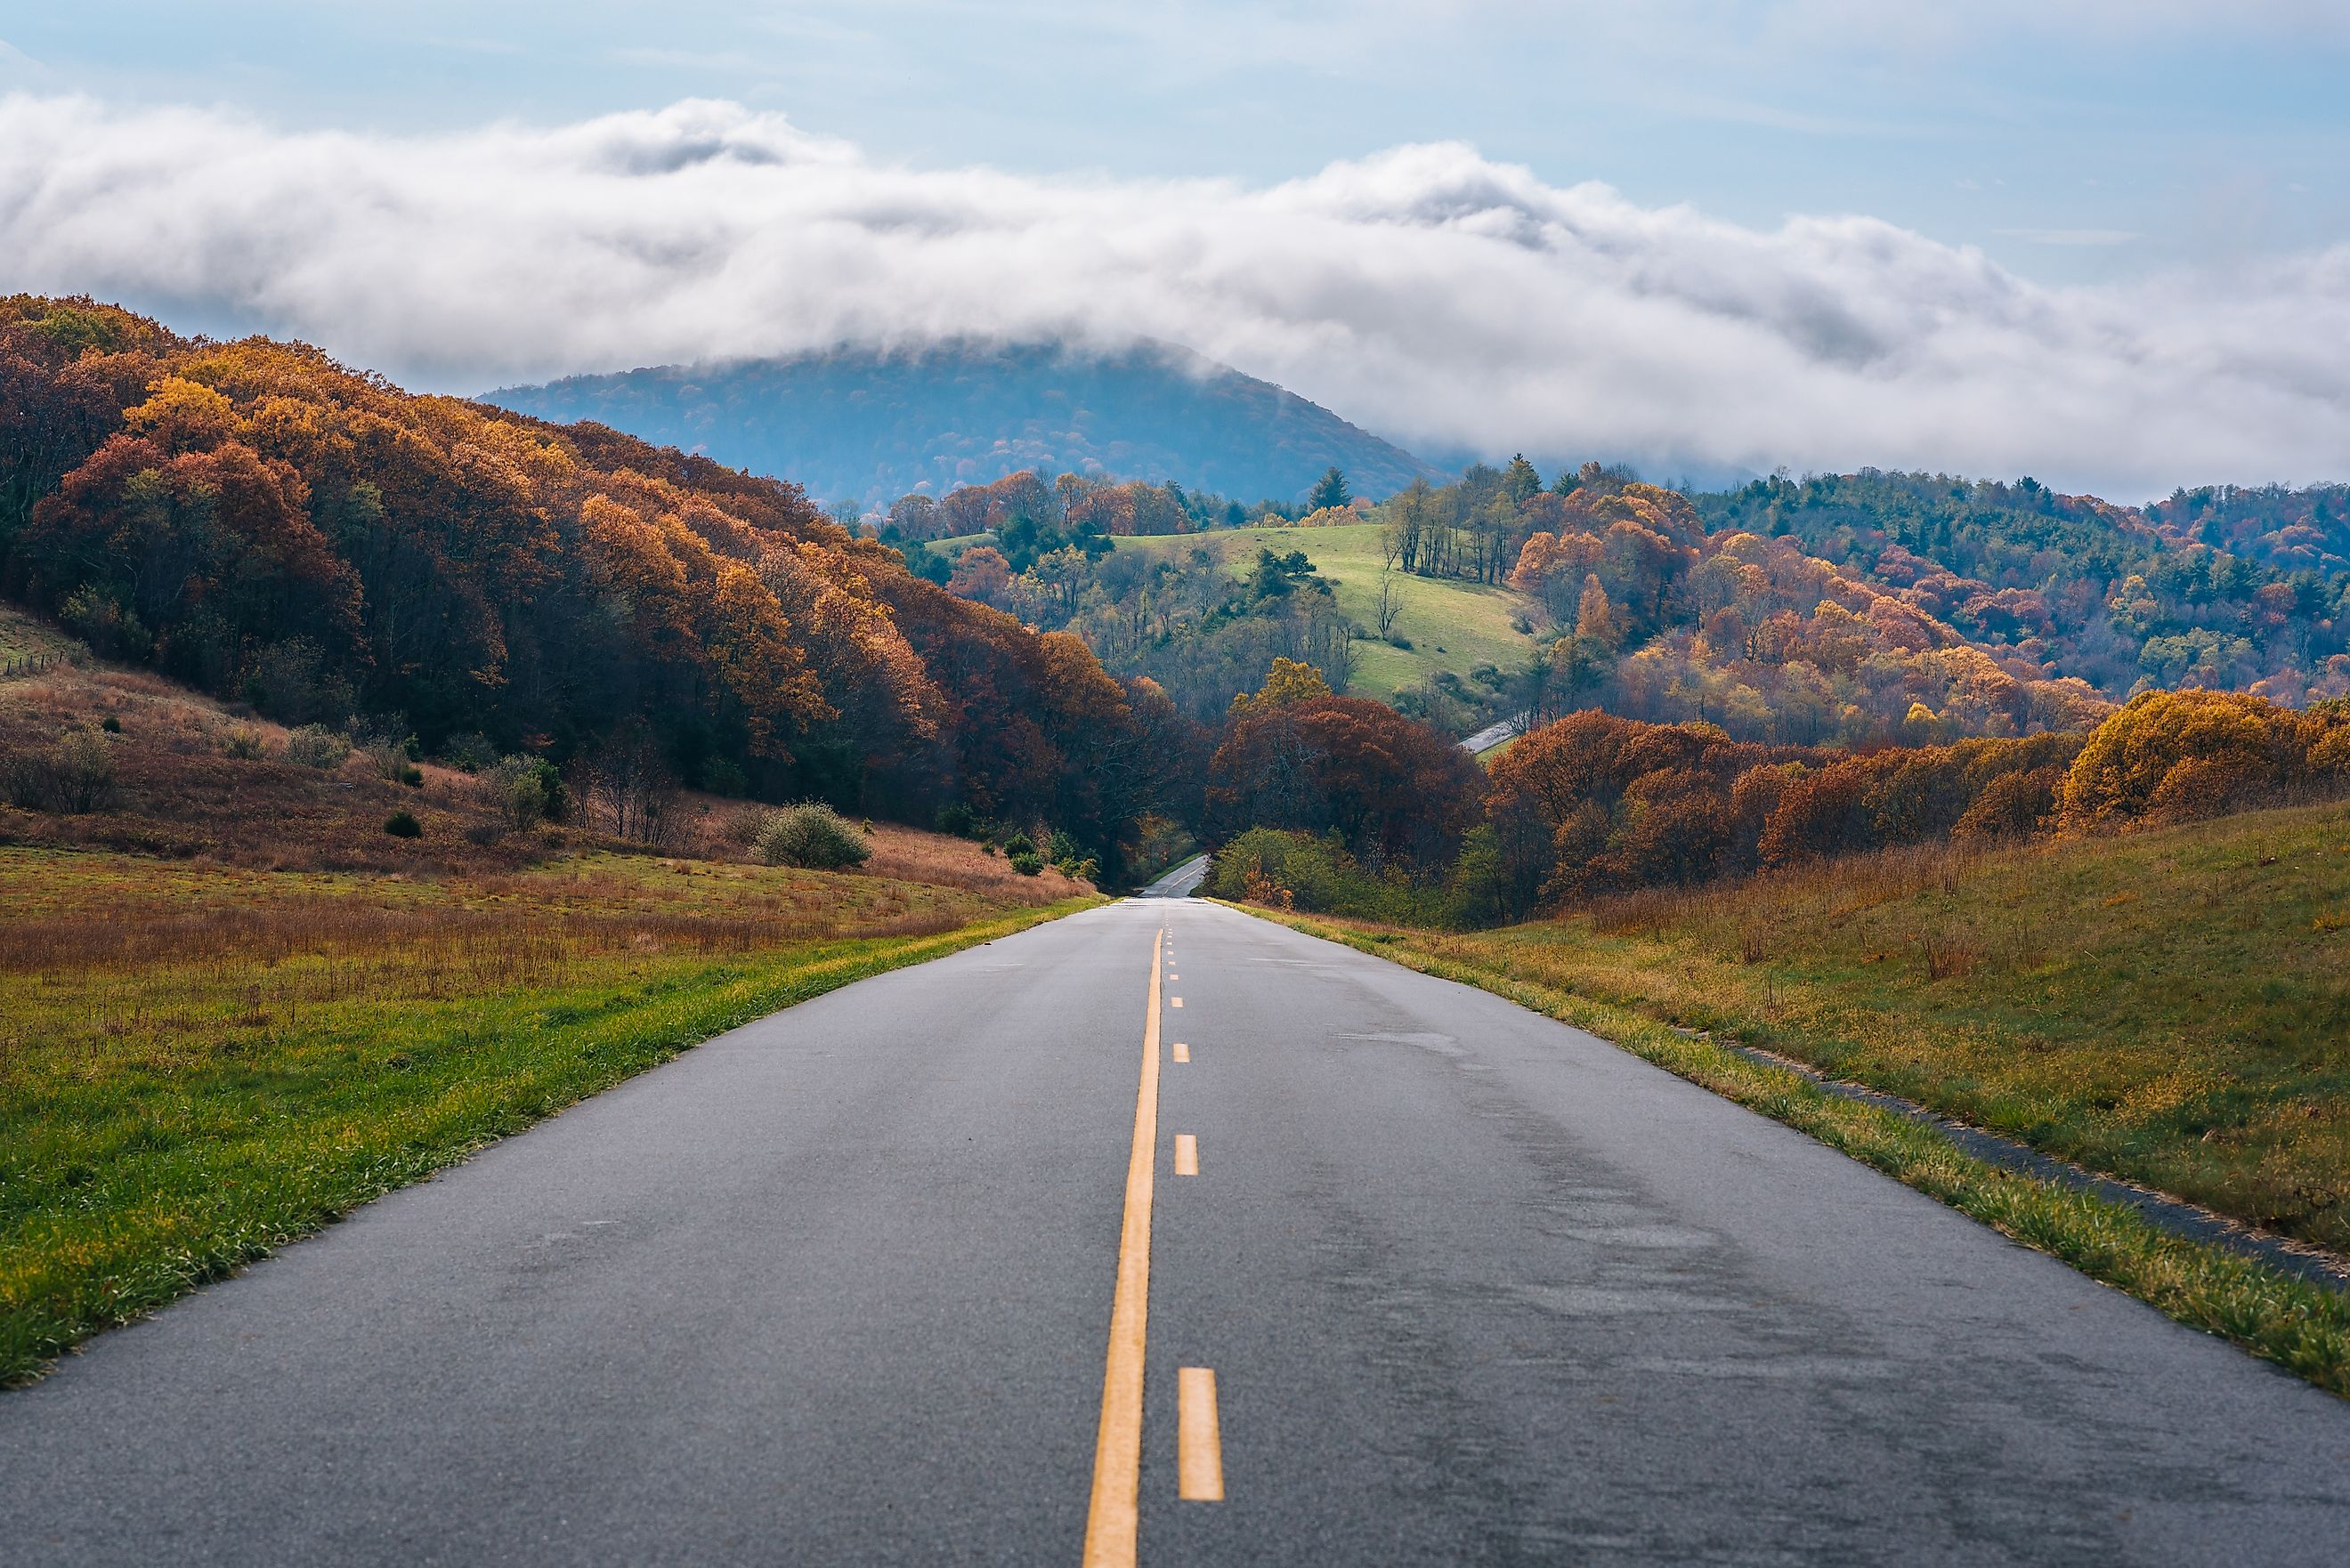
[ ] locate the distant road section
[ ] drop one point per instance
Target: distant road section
(1181, 882)
(1316, 1260)
(1493, 736)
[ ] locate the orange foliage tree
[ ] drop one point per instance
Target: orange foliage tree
(227, 510)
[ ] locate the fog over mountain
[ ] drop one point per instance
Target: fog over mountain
(1442, 297)
(871, 425)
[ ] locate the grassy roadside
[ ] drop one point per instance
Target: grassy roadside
(2302, 1327)
(265, 1052)
(2170, 1007)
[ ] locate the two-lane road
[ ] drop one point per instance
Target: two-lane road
(837, 1288)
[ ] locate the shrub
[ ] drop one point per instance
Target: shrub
(1296, 870)
(245, 744)
(721, 778)
(403, 824)
(959, 820)
(1019, 844)
(389, 754)
(317, 746)
(2194, 754)
(1026, 862)
(519, 788)
(295, 683)
(73, 776)
(112, 630)
(812, 835)
(469, 753)
(2012, 805)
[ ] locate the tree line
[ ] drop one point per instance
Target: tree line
(1592, 804)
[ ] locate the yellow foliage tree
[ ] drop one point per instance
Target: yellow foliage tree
(1285, 682)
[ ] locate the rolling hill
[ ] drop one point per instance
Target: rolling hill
(872, 426)
(1452, 627)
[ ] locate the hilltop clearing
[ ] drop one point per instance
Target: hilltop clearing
(1445, 633)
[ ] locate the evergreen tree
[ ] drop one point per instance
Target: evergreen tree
(1520, 482)
(1330, 490)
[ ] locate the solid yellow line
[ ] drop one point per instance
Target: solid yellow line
(1199, 1445)
(1115, 1515)
(1182, 1052)
(1187, 1155)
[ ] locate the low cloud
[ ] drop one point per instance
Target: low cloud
(1426, 292)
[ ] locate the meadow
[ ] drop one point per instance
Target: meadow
(199, 1062)
(1452, 625)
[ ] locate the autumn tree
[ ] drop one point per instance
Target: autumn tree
(1394, 792)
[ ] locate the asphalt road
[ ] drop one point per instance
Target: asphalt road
(837, 1288)
(1493, 736)
(1181, 882)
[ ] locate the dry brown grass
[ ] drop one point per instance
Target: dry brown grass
(911, 855)
(181, 797)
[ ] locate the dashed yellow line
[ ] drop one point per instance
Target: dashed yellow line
(1114, 1517)
(1187, 1155)
(1199, 1444)
(1182, 1052)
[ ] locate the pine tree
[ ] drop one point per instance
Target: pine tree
(1330, 490)
(1520, 482)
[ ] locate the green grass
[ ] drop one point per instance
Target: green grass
(2170, 1007)
(2297, 1325)
(198, 1064)
(1452, 625)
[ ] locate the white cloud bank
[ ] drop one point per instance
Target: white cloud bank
(1424, 292)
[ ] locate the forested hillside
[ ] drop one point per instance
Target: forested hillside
(261, 522)
(2221, 587)
(2291, 530)
(865, 426)
(1595, 590)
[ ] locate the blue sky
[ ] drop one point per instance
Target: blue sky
(2069, 139)
(2106, 243)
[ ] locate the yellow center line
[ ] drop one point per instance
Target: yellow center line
(1199, 1445)
(1187, 1155)
(1114, 1518)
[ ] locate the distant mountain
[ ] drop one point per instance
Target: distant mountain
(874, 425)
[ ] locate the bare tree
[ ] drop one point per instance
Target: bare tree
(1390, 602)
(628, 788)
